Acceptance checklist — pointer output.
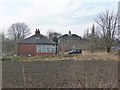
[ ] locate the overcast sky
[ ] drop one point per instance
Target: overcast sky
(57, 15)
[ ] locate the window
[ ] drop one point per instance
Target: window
(46, 48)
(38, 48)
(59, 41)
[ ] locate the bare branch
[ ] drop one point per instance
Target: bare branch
(18, 31)
(107, 24)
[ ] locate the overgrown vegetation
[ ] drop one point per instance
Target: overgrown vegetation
(87, 55)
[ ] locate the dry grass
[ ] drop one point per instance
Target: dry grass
(87, 55)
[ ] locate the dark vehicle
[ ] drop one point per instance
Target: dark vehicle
(75, 51)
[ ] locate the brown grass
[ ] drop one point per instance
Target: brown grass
(87, 55)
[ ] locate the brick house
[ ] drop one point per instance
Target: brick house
(36, 45)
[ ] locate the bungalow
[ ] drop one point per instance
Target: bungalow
(36, 45)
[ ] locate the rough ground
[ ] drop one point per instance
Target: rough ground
(59, 74)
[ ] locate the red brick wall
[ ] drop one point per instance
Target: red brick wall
(25, 49)
(44, 54)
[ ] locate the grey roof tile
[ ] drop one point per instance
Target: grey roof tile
(72, 35)
(37, 39)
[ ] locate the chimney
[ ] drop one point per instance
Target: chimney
(37, 32)
(69, 33)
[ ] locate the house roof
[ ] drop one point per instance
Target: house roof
(37, 38)
(70, 35)
(73, 35)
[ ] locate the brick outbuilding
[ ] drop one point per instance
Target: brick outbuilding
(36, 45)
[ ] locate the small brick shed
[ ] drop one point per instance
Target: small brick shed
(36, 45)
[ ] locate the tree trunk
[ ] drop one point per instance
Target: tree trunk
(108, 49)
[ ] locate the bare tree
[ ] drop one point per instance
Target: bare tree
(7, 45)
(53, 35)
(18, 31)
(107, 27)
(92, 39)
(2, 36)
(86, 34)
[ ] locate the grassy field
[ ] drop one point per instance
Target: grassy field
(87, 55)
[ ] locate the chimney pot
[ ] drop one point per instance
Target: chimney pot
(69, 33)
(36, 31)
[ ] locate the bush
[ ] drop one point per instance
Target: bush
(6, 58)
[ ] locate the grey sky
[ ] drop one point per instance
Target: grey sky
(57, 15)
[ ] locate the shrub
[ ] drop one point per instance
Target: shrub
(6, 58)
